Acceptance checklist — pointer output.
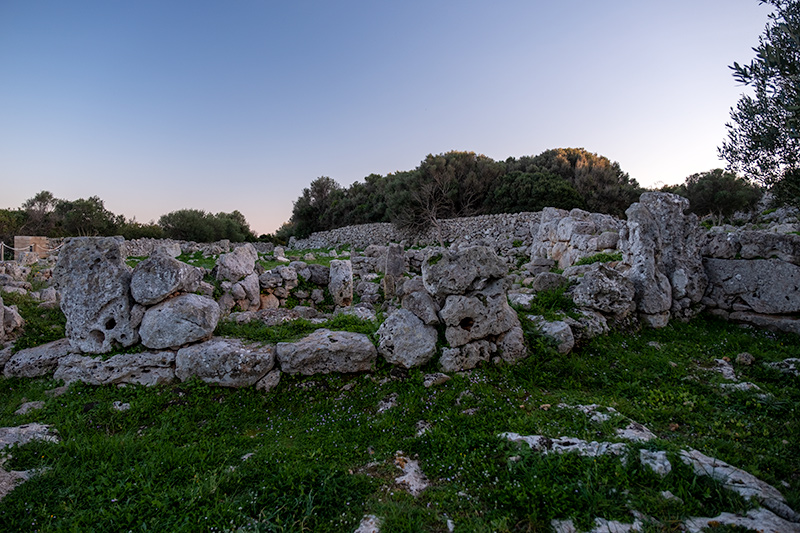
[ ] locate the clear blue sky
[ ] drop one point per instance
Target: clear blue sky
(239, 104)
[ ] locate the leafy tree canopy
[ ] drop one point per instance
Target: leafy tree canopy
(764, 133)
(717, 193)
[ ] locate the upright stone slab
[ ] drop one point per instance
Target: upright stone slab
(237, 264)
(95, 294)
(662, 245)
(341, 282)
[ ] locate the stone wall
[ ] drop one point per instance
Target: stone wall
(498, 231)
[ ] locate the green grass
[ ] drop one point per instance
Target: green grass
(323, 456)
(41, 325)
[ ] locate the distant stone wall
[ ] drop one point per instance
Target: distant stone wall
(499, 231)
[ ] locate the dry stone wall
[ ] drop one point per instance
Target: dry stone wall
(499, 231)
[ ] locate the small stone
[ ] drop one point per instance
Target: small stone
(120, 406)
(27, 407)
(432, 380)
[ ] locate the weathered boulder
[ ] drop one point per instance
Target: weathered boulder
(662, 245)
(160, 275)
(146, 368)
(237, 264)
(178, 321)
(37, 361)
(511, 345)
(11, 319)
(545, 281)
(467, 356)
(588, 325)
(752, 245)
(319, 274)
(225, 362)
(605, 290)
(340, 282)
(393, 262)
(270, 381)
(462, 270)
(477, 315)
(326, 351)
(22, 435)
(247, 293)
(405, 340)
(95, 294)
(417, 300)
(557, 331)
(766, 286)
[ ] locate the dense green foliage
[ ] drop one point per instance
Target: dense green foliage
(717, 193)
(317, 454)
(764, 134)
(200, 226)
(456, 184)
(47, 216)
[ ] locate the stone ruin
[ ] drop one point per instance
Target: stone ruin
(664, 266)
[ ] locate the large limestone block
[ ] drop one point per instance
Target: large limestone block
(340, 282)
(405, 340)
(95, 294)
(146, 368)
(237, 264)
(225, 362)
(766, 286)
(422, 305)
(393, 263)
(326, 351)
(160, 275)
(460, 271)
(477, 315)
(466, 357)
(605, 290)
(662, 245)
(37, 361)
(178, 321)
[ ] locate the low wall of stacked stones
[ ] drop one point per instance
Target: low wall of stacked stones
(499, 231)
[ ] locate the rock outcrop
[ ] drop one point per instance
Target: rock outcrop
(225, 362)
(326, 351)
(405, 340)
(95, 286)
(662, 245)
(178, 321)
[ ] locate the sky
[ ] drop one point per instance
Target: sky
(160, 105)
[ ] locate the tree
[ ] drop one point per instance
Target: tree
(604, 187)
(199, 226)
(308, 210)
(87, 217)
(764, 132)
(531, 191)
(39, 219)
(717, 192)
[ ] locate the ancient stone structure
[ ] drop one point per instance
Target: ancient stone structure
(659, 265)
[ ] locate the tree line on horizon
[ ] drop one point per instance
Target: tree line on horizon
(443, 186)
(47, 216)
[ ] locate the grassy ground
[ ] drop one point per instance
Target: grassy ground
(320, 455)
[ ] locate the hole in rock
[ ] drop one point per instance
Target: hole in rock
(467, 323)
(110, 323)
(97, 336)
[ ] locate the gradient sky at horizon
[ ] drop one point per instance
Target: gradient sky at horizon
(161, 105)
